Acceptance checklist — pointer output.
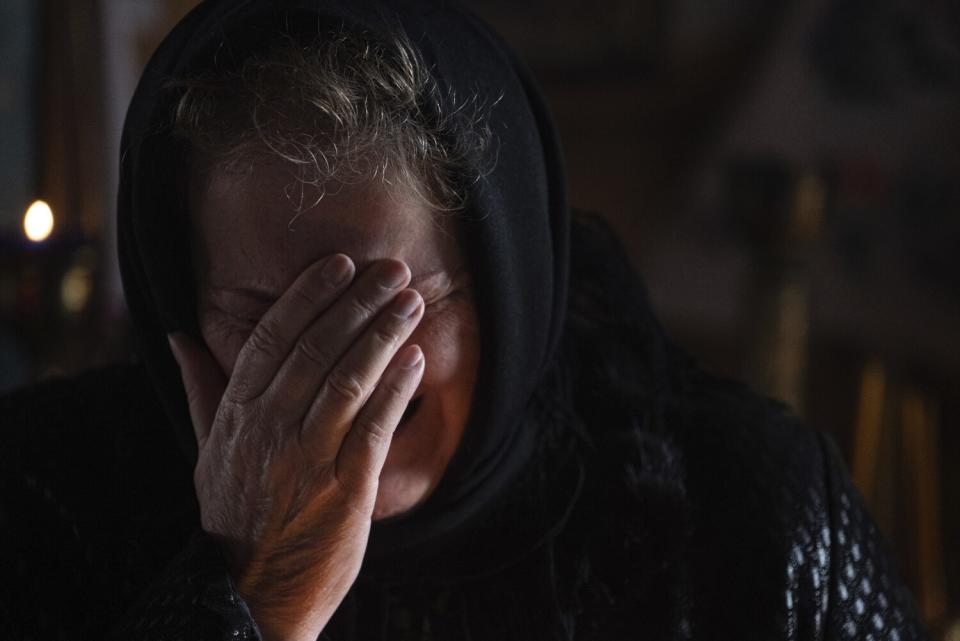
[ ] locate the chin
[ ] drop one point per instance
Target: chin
(397, 497)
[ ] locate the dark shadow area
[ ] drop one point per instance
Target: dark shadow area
(785, 175)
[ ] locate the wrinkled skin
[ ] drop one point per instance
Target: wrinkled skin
(318, 335)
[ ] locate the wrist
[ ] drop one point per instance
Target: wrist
(283, 611)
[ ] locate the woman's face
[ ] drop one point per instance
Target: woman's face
(251, 244)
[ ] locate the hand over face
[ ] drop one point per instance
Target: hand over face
(298, 390)
(251, 243)
(291, 446)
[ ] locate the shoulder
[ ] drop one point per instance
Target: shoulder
(91, 486)
(99, 439)
(65, 404)
(748, 512)
(748, 448)
(633, 386)
(780, 537)
(760, 499)
(87, 429)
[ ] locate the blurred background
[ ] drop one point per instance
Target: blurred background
(785, 174)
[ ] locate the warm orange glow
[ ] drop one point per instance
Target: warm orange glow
(38, 221)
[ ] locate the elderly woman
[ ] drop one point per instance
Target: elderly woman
(390, 390)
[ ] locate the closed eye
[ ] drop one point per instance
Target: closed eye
(441, 287)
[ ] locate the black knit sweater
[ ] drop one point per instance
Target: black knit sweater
(662, 503)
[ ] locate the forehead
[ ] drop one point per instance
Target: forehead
(259, 226)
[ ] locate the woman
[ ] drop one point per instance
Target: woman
(417, 401)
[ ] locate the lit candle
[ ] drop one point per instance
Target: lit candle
(38, 221)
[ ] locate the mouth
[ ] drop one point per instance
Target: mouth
(412, 408)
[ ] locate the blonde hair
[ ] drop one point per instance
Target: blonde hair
(346, 108)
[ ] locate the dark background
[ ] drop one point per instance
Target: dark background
(785, 175)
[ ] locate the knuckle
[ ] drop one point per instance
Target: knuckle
(306, 296)
(374, 431)
(397, 388)
(240, 392)
(314, 351)
(345, 385)
(386, 335)
(363, 307)
(261, 430)
(265, 339)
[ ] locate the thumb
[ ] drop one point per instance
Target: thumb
(202, 380)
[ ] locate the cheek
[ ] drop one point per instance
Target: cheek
(451, 346)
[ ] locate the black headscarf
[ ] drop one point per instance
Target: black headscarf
(516, 227)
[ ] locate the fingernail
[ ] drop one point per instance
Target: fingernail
(406, 303)
(392, 275)
(411, 358)
(337, 269)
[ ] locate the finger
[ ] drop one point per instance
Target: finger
(203, 382)
(318, 349)
(278, 330)
(354, 377)
(365, 446)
